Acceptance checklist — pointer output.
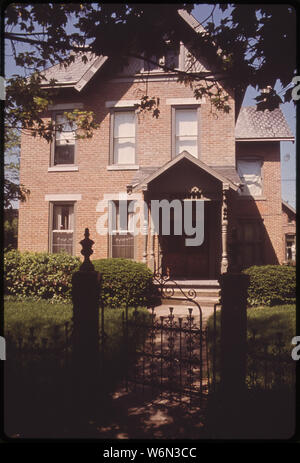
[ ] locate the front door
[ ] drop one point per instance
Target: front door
(186, 262)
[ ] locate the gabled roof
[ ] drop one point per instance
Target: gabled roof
(262, 125)
(288, 206)
(145, 177)
(191, 20)
(78, 73)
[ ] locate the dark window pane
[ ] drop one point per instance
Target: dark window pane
(64, 154)
(250, 243)
(172, 59)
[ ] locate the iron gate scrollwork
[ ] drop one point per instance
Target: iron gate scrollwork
(169, 354)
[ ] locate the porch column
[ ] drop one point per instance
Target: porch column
(159, 256)
(224, 222)
(145, 232)
(152, 237)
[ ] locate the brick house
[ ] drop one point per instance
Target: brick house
(189, 153)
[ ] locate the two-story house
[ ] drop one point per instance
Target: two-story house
(189, 153)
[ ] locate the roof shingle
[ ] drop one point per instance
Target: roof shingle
(252, 123)
(73, 72)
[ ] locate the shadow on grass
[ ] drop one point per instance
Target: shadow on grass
(259, 414)
(48, 394)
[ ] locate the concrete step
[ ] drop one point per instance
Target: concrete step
(201, 301)
(207, 292)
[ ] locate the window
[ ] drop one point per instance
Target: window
(249, 235)
(185, 136)
(170, 60)
(290, 248)
(121, 230)
(63, 151)
(123, 137)
(250, 173)
(62, 229)
(153, 64)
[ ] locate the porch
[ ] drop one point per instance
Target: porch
(184, 180)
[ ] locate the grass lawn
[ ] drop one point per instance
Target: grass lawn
(20, 316)
(43, 316)
(269, 334)
(267, 323)
(268, 407)
(38, 378)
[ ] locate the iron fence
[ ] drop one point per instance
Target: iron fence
(170, 354)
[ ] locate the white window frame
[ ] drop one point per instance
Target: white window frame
(244, 191)
(58, 203)
(114, 230)
(112, 160)
(176, 108)
(54, 114)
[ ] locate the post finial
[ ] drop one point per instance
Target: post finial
(87, 251)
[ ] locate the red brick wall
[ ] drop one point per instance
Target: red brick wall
(269, 207)
(153, 137)
(288, 227)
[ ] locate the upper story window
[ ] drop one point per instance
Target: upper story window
(250, 172)
(170, 60)
(154, 64)
(63, 147)
(123, 137)
(185, 131)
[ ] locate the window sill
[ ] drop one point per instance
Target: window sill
(253, 198)
(63, 169)
(123, 167)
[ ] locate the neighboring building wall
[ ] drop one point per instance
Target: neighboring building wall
(93, 178)
(268, 207)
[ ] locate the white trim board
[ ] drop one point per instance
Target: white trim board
(65, 106)
(184, 101)
(121, 103)
(63, 168)
(63, 197)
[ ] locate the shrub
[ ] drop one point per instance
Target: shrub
(271, 285)
(125, 283)
(39, 275)
(48, 276)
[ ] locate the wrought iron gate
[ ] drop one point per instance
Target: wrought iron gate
(168, 353)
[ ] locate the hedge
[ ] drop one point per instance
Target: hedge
(271, 285)
(49, 276)
(125, 283)
(39, 275)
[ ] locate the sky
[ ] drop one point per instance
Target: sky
(287, 149)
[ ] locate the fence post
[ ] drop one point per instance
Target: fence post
(233, 333)
(86, 285)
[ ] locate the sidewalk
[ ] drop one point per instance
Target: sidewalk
(141, 414)
(182, 311)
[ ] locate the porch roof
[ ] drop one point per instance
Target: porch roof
(225, 174)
